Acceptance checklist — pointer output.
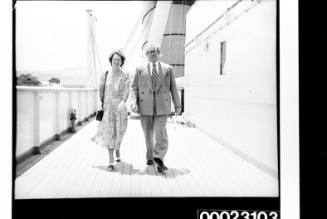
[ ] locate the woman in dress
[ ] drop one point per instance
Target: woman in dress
(115, 88)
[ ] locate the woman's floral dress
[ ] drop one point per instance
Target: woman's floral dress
(113, 125)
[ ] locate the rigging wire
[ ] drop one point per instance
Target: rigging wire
(215, 21)
(222, 26)
(132, 32)
(139, 38)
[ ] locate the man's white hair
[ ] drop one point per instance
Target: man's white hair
(152, 45)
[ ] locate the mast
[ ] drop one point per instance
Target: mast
(92, 67)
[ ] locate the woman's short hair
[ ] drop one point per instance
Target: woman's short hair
(120, 54)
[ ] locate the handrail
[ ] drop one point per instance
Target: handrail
(26, 88)
(215, 21)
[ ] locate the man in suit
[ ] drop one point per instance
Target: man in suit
(152, 89)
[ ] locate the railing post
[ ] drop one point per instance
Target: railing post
(70, 107)
(37, 122)
(80, 107)
(95, 101)
(87, 105)
(70, 99)
(57, 115)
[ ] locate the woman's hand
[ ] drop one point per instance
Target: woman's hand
(121, 106)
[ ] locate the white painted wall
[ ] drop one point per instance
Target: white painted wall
(238, 108)
(54, 111)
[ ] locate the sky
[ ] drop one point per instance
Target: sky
(51, 35)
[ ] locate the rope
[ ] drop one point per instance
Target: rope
(138, 40)
(132, 32)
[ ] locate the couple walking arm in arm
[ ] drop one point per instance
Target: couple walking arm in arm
(152, 89)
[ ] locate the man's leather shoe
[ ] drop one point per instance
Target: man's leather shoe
(111, 167)
(158, 160)
(149, 162)
(162, 168)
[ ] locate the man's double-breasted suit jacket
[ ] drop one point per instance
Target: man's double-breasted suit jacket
(143, 95)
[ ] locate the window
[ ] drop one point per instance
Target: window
(222, 57)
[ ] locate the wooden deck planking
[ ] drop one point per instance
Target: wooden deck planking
(135, 178)
(50, 169)
(139, 147)
(197, 163)
(198, 166)
(64, 183)
(238, 185)
(100, 181)
(30, 182)
(162, 182)
(219, 174)
(87, 169)
(75, 173)
(231, 174)
(182, 164)
(174, 165)
(125, 184)
(94, 178)
(181, 187)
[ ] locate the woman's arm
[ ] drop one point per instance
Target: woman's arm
(134, 89)
(127, 87)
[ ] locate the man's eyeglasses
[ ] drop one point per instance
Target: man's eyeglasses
(153, 51)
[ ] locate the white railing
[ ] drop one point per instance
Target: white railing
(44, 112)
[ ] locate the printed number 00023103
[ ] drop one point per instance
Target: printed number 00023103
(212, 214)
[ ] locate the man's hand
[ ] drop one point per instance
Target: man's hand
(134, 108)
(178, 110)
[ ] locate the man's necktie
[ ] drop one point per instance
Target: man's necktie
(154, 77)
